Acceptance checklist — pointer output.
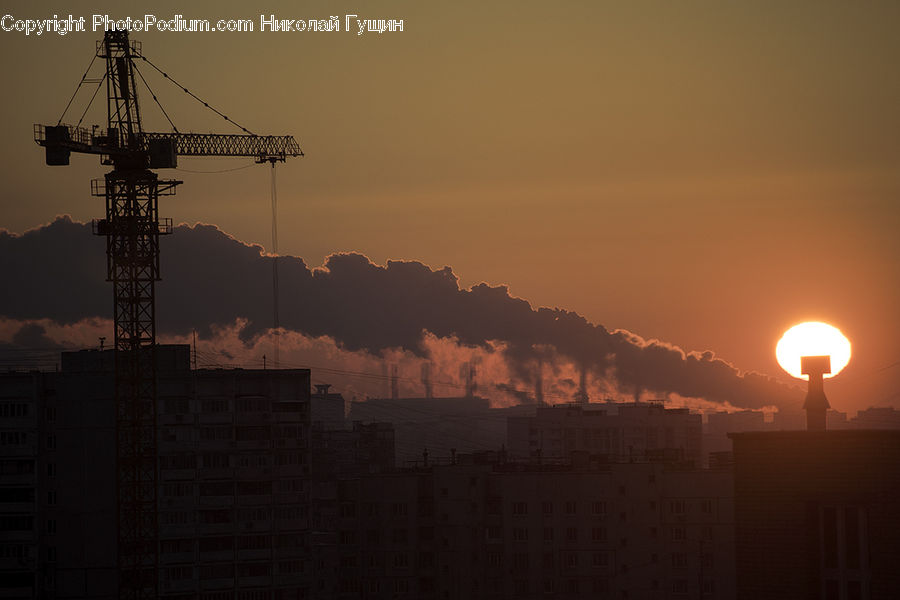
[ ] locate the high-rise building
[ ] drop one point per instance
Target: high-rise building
(485, 528)
(621, 432)
(817, 514)
(233, 494)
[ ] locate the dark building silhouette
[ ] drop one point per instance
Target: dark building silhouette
(327, 408)
(876, 418)
(621, 432)
(817, 514)
(439, 425)
(481, 527)
(234, 468)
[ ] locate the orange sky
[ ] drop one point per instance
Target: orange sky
(703, 173)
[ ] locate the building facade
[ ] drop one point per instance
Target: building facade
(233, 495)
(493, 529)
(622, 432)
(817, 514)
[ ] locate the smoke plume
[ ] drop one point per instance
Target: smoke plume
(360, 316)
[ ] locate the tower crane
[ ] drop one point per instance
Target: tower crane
(132, 228)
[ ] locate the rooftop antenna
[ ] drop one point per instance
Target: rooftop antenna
(812, 351)
(816, 404)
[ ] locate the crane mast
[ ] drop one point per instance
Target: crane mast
(132, 228)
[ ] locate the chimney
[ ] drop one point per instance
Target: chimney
(467, 371)
(816, 404)
(426, 379)
(395, 388)
(583, 397)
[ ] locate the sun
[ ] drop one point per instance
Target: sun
(812, 339)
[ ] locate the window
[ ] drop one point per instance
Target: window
(679, 560)
(547, 508)
(219, 571)
(207, 488)
(571, 507)
(706, 506)
(571, 534)
(548, 534)
(520, 508)
(212, 460)
(520, 561)
(599, 559)
(180, 573)
(678, 534)
(676, 507)
(216, 516)
(254, 542)
(598, 508)
(176, 546)
(217, 433)
(598, 534)
(399, 536)
(17, 409)
(520, 534)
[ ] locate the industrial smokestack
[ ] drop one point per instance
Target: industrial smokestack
(395, 384)
(468, 371)
(583, 397)
(426, 379)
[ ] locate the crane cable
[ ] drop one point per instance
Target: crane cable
(99, 85)
(78, 87)
(193, 95)
(275, 323)
(155, 99)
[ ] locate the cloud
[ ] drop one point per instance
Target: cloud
(215, 283)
